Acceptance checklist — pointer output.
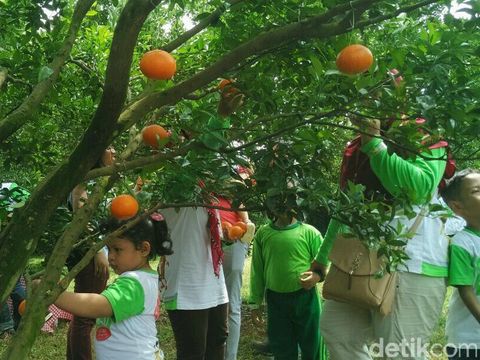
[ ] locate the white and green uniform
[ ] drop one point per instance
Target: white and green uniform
(131, 332)
(418, 178)
(462, 327)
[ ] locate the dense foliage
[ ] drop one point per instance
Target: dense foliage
(70, 85)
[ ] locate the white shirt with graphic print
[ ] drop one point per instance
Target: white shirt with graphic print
(131, 332)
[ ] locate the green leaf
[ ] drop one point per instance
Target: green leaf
(44, 73)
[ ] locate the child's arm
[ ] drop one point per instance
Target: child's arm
(87, 305)
(470, 300)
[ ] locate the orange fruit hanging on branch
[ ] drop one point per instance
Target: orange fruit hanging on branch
(155, 136)
(158, 65)
(354, 59)
(124, 207)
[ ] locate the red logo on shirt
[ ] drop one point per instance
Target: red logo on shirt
(103, 333)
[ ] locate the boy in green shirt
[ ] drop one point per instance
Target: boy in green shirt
(282, 253)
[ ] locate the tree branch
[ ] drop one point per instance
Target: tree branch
(204, 23)
(3, 76)
(82, 65)
(406, 9)
(320, 26)
(16, 119)
(56, 186)
(151, 160)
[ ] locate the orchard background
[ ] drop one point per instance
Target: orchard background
(70, 85)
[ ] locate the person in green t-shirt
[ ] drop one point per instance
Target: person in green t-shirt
(282, 253)
(462, 194)
(126, 311)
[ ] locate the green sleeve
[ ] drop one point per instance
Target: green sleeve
(330, 235)
(126, 296)
(461, 267)
(418, 177)
(257, 278)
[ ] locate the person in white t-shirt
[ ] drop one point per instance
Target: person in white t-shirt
(126, 311)
(193, 287)
(462, 194)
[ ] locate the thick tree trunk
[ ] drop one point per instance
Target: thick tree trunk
(19, 238)
(48, 290)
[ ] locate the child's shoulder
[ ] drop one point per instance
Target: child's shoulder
(138, 274)
(466, 239)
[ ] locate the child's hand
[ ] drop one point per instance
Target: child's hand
(309, 279)
(101, 264)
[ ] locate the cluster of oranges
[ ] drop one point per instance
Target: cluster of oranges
(233, 231)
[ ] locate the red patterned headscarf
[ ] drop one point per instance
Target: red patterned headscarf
(215, 240)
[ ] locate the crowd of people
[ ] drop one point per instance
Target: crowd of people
(199, 278)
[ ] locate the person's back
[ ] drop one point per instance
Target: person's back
(348, 328)
(189, 271)
(193, 285)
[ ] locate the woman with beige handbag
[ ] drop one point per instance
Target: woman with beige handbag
(354, 330)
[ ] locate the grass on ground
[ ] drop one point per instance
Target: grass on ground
(53, 346)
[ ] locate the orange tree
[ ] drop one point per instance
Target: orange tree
(71, 85)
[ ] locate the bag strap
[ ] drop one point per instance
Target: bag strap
(418, 220)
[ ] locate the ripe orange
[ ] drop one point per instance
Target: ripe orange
(242, 225)
(124, 207)
(226, 225)
(153, 135)
(223, 83)
(21, 307)
(158, 65)
(354, 59)
(235, 232)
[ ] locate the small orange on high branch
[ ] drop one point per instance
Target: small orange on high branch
(158, 65)
(354, 59)
(124, 207)
(155, 135)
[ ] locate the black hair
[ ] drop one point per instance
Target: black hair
(154, 230)
(283, 203)
(452, 190)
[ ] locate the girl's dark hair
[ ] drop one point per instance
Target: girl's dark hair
(154, 230)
